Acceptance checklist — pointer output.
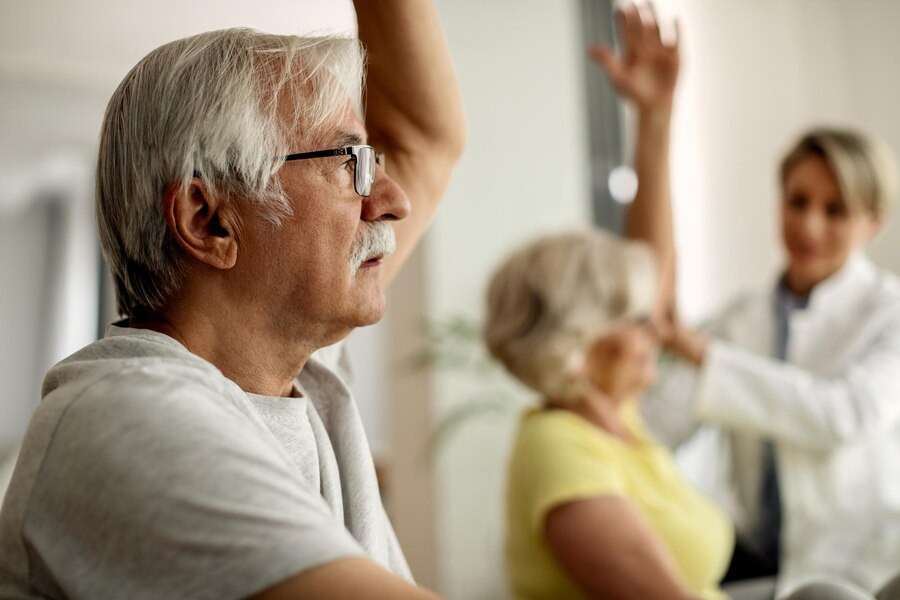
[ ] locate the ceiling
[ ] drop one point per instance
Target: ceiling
(99, 40)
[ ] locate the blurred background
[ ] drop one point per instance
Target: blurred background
(548, 148)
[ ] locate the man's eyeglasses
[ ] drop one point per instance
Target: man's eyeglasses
(364, 170)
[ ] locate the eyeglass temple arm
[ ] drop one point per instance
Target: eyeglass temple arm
(318, 154)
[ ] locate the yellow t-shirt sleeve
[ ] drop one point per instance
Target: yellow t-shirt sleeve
(559, 459)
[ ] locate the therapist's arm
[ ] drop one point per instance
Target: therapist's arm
(646, 75)
(414, 111)
(611, 552)
(347, 579)
(772, 398)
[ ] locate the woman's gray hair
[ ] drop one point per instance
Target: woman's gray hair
(549, 300)
(210, 106)
(864, 167)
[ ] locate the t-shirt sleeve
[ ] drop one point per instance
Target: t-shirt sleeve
(560, 460)
(172, 493)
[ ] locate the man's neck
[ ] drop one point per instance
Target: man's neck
(245, 348)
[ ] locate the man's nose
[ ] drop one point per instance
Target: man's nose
(387, 202)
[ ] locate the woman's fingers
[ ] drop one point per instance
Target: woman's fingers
(632, 27)
(650, 20)
(640, 29)
(605, 57)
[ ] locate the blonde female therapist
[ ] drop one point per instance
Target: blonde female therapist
(802, 380)
(803, 377)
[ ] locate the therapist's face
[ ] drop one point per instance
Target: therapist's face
(818, 229)
(622, 363)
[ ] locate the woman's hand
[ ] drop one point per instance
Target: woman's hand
(646, 75)
(648, 71)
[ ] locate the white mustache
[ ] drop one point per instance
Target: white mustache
(374, 239)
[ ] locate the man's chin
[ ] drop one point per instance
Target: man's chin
(370, 320)
(361, 318)
(372, 312)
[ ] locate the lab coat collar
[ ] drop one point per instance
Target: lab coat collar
(841, 289)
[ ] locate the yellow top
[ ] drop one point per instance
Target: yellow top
(559, 457)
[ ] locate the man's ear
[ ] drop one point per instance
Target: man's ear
(201, 223)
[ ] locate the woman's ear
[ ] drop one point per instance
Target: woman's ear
(201, 223)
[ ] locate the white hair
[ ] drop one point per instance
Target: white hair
(207, 106)
(549, 300)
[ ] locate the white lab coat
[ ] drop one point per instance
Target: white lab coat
(832, 410)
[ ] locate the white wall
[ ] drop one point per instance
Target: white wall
(871, 89)
(45, 163)
(524, 172)
(738, 103)
(99, 40)
(23, 237)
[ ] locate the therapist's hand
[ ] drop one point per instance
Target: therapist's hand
(685, 342)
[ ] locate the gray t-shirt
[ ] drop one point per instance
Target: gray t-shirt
(146, 473)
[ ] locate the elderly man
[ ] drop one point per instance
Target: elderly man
(248, 221)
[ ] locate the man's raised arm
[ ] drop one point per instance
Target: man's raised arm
(414, 111)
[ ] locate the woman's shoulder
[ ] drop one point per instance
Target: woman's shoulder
(886, 287)
(542, 421)
(557, 449)
(866, 293)
(547, 426)
(558, 430)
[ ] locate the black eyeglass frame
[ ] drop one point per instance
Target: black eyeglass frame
(363, 179)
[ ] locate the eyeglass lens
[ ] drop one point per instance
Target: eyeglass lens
(365, 170)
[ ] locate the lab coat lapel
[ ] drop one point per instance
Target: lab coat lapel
(757, 333)
(818, 335)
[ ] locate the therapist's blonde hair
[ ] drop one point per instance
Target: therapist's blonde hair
(550, 299)
(864, 166)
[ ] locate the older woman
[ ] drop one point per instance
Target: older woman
(597, 508)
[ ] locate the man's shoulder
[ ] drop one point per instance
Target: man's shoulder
(157, 386)
(155, 456)
(129, 368)
(102, 389)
